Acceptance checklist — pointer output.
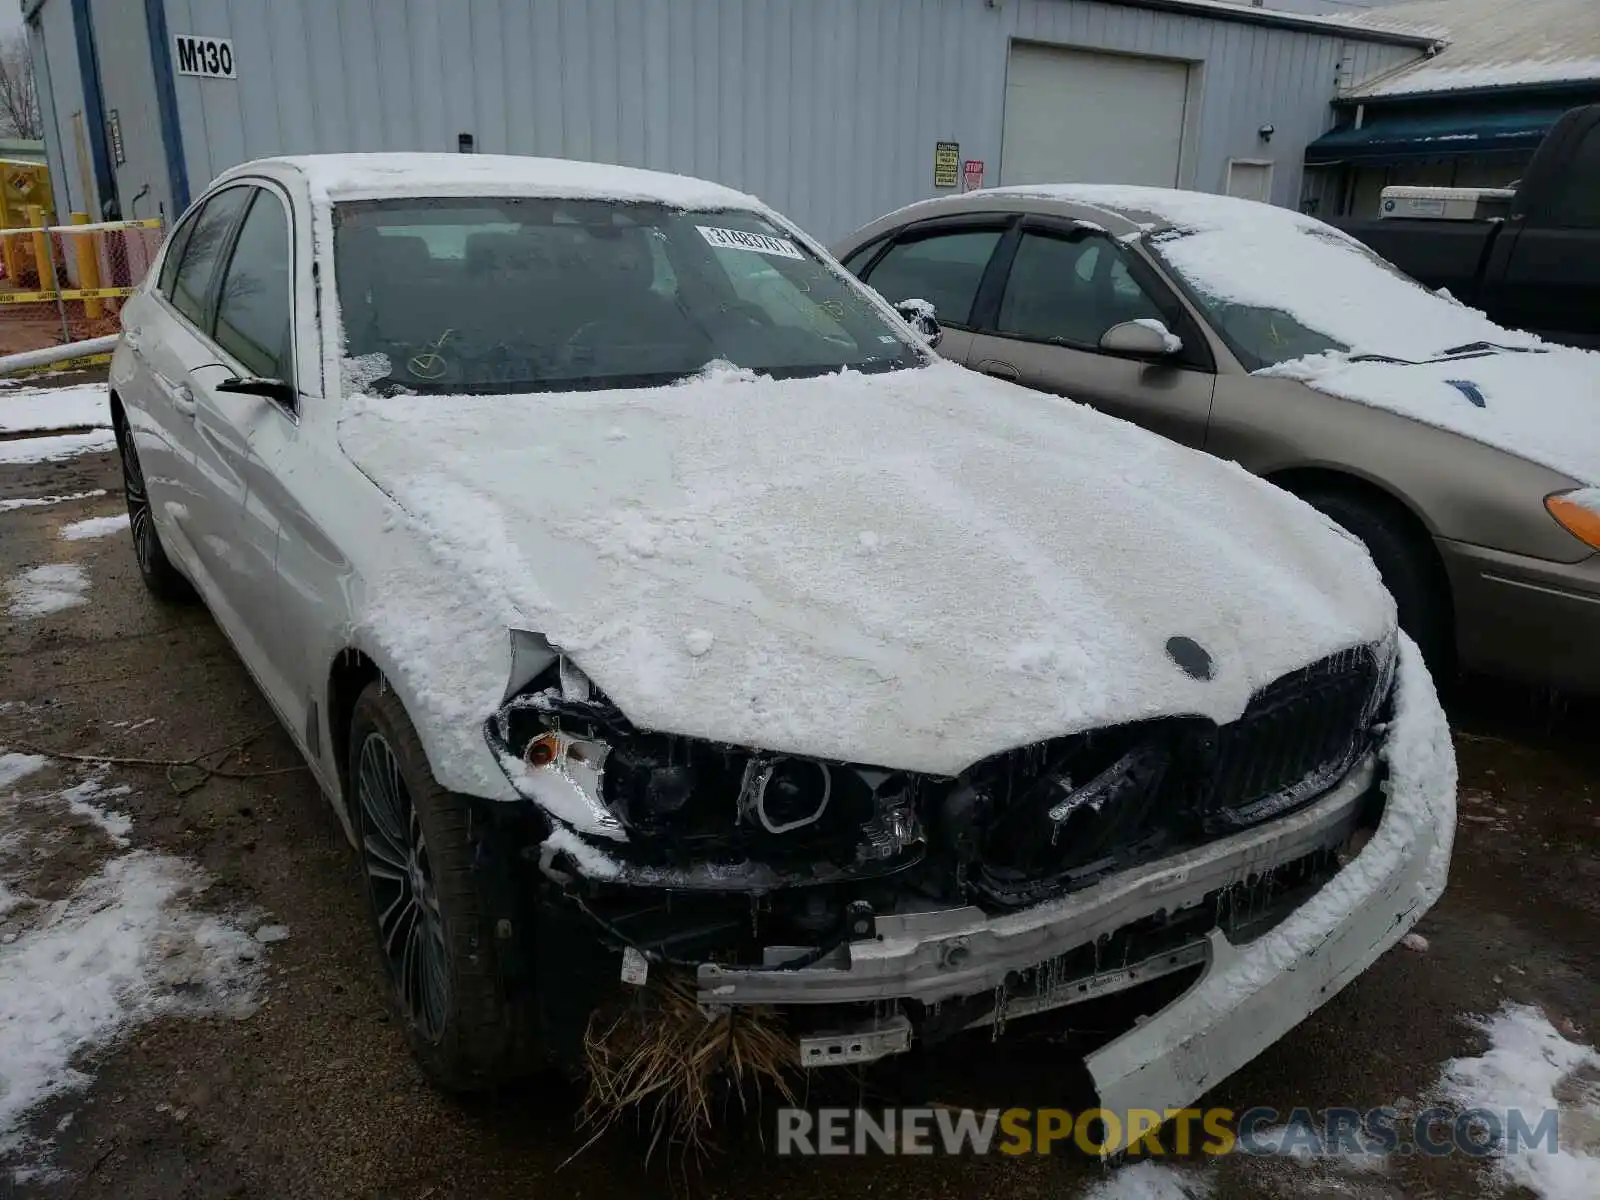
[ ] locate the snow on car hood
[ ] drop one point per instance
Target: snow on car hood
(1542, 407)
(913, 570)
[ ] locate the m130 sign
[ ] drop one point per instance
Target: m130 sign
(205, 56)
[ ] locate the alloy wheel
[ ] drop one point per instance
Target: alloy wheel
(394, 853)
(144, 532)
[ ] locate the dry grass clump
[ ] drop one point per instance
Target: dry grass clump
(664, 1059)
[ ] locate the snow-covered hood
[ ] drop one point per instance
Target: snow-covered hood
(1544, 407)
(914, 570)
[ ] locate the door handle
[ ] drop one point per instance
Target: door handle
(130, 339)
(1000, 370)
(183, 400)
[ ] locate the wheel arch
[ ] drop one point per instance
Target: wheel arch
(349, 674)
(1300, 481)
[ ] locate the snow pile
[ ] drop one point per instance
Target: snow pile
(706, 570)
(47, 589)
(1531, 1067)
(1148, 1180)
(95, 527)
(55, 449)
(125, 946)
(115, 825)
(27, 410)
(42, 501)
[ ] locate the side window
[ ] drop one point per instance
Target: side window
(944, 269)
(1578, 204)
(1070, 291)
(191, 286)
(253, 304)
(861, 256)
(169, 264)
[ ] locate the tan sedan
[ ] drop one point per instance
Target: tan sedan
(1464, 455)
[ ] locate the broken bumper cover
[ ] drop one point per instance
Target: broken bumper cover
(1248, 996)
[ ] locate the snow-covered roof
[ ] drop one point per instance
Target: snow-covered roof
(1491, 43)
(373, 176)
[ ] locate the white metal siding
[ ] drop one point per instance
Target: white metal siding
(828, 108)
(55, 56)
(127, 85)
(1073, 116)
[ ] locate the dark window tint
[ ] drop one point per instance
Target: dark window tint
(1070, 290)
(191, 289)
(253, 305)
(1577, 203)
(502, 295)
(862, 256)
(169, 264)
(944, 270)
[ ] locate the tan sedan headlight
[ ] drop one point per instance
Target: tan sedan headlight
(1578, 513)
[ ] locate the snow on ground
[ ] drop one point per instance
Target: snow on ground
(47, 589)
(95, 527)
(126, 944)
(29, 409)
(41, 501)
(1530, 1066)
(56, 448)
(1149, 1181)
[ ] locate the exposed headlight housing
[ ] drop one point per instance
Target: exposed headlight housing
(566, 746)
(1578, 512)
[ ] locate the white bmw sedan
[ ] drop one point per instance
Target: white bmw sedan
(654, 607)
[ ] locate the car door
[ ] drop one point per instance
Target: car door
(1063, 286)
(943, 262)
(170, 331)
(253, 336)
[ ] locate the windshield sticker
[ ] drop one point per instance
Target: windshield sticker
(738, 239)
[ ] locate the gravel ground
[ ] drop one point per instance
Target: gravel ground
(314, 1094)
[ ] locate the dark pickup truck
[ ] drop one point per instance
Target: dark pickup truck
(1538, 268)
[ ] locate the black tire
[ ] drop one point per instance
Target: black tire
(1409, 569)
(433, 934)
(163, 580)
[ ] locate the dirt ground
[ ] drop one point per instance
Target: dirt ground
(314, 1094)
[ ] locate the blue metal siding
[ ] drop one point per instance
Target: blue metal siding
(828, 108)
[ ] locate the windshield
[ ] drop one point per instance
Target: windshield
(1284, 287)
(516, 295)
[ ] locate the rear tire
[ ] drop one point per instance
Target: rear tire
(434, 934)
(1409, 570)
(163, 580)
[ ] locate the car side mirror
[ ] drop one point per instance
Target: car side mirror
(254, 385)
(919, 315)
(1144, 338)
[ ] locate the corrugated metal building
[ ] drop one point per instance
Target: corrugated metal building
(833, 110)
(1471, 115)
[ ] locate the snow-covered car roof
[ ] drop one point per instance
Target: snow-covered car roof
(382, 176)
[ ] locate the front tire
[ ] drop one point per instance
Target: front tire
(1408, 568)
(434, 934)
(161, 578)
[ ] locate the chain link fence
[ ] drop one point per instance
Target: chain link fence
(65, 283)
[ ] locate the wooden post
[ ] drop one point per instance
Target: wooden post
(88, 266)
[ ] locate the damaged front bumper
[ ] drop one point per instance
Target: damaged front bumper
(1319, 906)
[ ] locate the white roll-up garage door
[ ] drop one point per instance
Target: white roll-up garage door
(1077, 116)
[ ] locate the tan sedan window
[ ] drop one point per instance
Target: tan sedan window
(1070, 290)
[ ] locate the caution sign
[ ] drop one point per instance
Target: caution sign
(946, 164)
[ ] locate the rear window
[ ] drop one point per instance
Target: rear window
(510, 295)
